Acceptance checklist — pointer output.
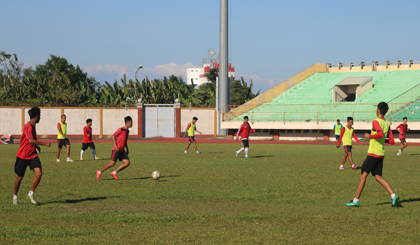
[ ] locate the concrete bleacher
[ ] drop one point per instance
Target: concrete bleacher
(311, 99)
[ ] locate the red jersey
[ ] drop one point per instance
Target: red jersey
(244, 131)
(27, 150)
(87, 134)
(122, 136)
(402, 130)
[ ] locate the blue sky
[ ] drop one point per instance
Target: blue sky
(270, 40)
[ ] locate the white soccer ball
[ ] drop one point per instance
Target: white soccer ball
(156, 175)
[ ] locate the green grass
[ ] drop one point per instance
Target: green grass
(283, 194)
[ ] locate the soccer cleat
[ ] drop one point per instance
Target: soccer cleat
(98, 175)
(237, 154)
(399, 154)
(355, 167)
(15, 202)
(247, 157)
(32, 199)
(81, 159)
(198, 152)
(342, 168)
(96, 158)
(115, 176)
(186, 152)
(58, 160)
(395, 201)
(352, 204)
(69, 160)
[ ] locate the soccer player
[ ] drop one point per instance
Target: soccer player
(402, 129)
(244, 131)
(376, 153)
(191, 128)
(27, 155)
(118, 150)
(62, 139)
(337, 129)
(346, 134)
(87, 140)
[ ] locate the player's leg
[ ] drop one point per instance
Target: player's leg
(68, 150)
(195, 146)
(114, 157)
(60, 145)
(109, 165)
(92, 146)
(344, 160)
(246, 152)
(377, 172)
(366, 169)
(84, 148)
(351, 161)
(361, 185)
(125, 164)
(35, 165)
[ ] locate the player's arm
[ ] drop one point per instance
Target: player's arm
(59, 130)
(390, 137)
(250, 129)
(34, 141)
(355, 137)
(341, 137)
(377, 128)
(86, 131)
(399, 129)
(197, 130)
(186, 130)
(238, 133)
(115, 143)
(126, 147)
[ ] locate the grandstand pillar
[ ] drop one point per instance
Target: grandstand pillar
(230, 134)
(177, 120)
(327, 135)
(140, 120)
(276, 134)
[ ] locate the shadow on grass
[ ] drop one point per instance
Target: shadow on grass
(78, 200)
(414, 154)
(261, 156)
(162, 177)
(399, 203)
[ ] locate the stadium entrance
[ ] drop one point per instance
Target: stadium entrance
(349, 89)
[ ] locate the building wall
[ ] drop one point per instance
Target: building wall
(114, 119)
(205, 123)
(48, 123)
(10, 121)
(76, 120)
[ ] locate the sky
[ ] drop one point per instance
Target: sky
(270, 40)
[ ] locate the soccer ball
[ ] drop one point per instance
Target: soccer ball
(156, 175)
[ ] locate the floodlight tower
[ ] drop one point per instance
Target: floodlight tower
(223, 87)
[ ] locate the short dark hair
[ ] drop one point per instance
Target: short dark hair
(338, 120)
(383, 108)
(245, 117)
(89, 120)
(127, 119)
(349, 119)
(404, 118)
(34, 111)
(195, 118)
(64, 115)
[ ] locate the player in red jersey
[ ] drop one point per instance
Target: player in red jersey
(87, 140)
(244, 131)
(402, 129)
(347, 133)
(118, 153)
(27, 155)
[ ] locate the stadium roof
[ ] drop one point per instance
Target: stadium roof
(354, 81)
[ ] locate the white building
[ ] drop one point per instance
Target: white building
(198, 74)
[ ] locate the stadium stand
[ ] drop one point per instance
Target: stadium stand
(311, 99)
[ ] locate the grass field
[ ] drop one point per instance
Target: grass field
(292, 194)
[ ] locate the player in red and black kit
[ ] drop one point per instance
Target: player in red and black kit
(118, 152)
(244, 131)
(27, 155)
(402, 129)
(87, 140)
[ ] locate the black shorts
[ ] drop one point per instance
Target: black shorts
(63, 142)
(246, 143)
(347, 148)
(191, 138)
(119, 155)
(22, 164)
(87, 145)
(373, 165)
(402, 140)
(337, 137)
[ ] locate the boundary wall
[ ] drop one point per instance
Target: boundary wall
(106, 120)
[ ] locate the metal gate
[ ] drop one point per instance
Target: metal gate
(159, 120)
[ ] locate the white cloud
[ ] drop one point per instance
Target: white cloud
(111, 72)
